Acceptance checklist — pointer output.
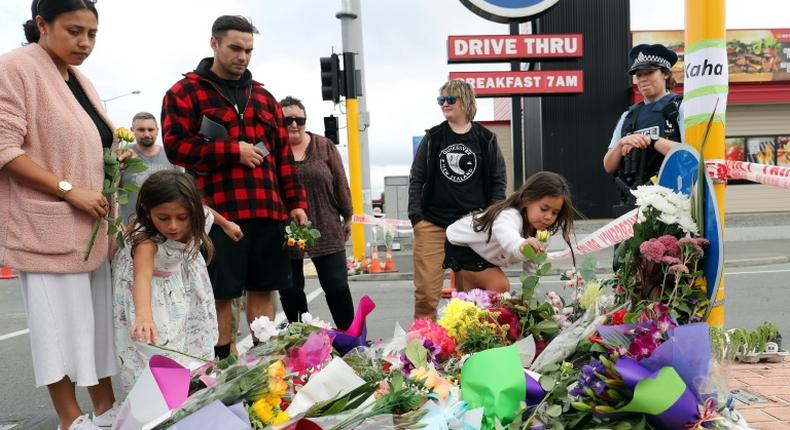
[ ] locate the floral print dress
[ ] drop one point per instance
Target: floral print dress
(182, 303)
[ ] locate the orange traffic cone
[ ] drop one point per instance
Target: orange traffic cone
(389, 264)
(375, 265)
(6, 273)
(448, 292)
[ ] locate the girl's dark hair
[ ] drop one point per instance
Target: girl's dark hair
(537, 186)
(49, 10)
(169, 186)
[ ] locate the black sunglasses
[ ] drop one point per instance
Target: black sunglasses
(449, 99)
(299, 120)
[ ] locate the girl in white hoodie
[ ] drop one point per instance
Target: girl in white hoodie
(478, 246)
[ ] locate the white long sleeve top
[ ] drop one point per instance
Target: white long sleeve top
(504, 248)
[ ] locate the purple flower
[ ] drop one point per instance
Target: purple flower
(479, 297)
(598, 386)
(642, 347)
(577, 391)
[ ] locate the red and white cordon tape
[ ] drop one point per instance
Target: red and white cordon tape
(776, 176)
(402, 226)
(607, 236)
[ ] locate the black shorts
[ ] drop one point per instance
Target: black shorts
(458, 257)
(257, 262)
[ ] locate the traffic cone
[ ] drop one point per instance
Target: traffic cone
(375, 266)
(389, 264)
(448, 292)
(6, 273)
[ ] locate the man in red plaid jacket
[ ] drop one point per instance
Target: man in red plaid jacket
(228, 132)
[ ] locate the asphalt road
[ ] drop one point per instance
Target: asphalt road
(754, 294)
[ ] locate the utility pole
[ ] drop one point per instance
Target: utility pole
(350, 16)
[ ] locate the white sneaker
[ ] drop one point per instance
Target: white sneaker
(108, 418)
(83, 422)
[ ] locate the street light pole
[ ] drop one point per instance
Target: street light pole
(135, 92)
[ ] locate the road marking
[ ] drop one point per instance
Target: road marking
(14, 334)
(243, 345)
(757, 271)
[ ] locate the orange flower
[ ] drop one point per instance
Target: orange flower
(291, 241)
(301, 243)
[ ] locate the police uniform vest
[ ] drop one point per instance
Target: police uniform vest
(655, 119)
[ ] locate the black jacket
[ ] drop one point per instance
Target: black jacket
(423, 169)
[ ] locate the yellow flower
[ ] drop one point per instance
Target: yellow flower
(124, 134)
(542, 235)
(277, 370)
(263, 410)
(280, 418)
(590, 296)
(418, 373)
(458, 315)
(278, 387)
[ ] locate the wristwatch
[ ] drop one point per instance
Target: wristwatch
(64, 187)
(654, 139)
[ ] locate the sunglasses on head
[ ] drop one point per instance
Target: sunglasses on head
(449, 99)
(299, 120)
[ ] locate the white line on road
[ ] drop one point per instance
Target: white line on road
(757, 271)
(14, 334)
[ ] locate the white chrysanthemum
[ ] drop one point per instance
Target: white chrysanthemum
(309, 319)
(668, 218)
(263, 328)
(687, 224)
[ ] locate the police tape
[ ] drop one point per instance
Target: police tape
(605, 237)
(402, 226)
(776, 176)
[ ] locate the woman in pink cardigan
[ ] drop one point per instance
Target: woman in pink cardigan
(51, 172)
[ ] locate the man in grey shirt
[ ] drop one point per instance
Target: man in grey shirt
(145, 132)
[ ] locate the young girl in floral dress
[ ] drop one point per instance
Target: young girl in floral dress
(162, 291)
(479, 245)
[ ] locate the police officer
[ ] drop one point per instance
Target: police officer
(648, 130)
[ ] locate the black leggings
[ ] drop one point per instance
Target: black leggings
(333, 276)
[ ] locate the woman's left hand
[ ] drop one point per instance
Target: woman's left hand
(347, 229)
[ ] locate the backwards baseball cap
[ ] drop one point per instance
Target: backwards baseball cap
(646, 56)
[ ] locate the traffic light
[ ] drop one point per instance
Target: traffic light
(330, 129)
(331, 78)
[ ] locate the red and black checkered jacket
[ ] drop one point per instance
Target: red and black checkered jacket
(234, 190)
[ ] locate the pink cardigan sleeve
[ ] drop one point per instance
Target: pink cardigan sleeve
(12, 114)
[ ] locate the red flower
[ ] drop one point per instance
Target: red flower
(596, 339)
(618, 317)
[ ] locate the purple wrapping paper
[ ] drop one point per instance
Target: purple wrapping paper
(344, 342)
(688, 352)
(684, 410)
(535, 392)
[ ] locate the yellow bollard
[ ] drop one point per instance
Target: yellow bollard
(706, 80)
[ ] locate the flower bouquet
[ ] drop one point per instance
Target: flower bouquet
(113, 170)
(301, 236)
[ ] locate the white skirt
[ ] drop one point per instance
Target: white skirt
(71, 329)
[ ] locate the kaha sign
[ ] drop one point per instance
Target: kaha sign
(505, 11)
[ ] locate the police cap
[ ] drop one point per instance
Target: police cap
(646, 56)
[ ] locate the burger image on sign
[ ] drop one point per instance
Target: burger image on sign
(505, 11)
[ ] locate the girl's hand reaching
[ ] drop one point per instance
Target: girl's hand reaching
(534, 243)
(233, 231)
(143, 330)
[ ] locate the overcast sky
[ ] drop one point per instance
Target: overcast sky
(147, 44)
